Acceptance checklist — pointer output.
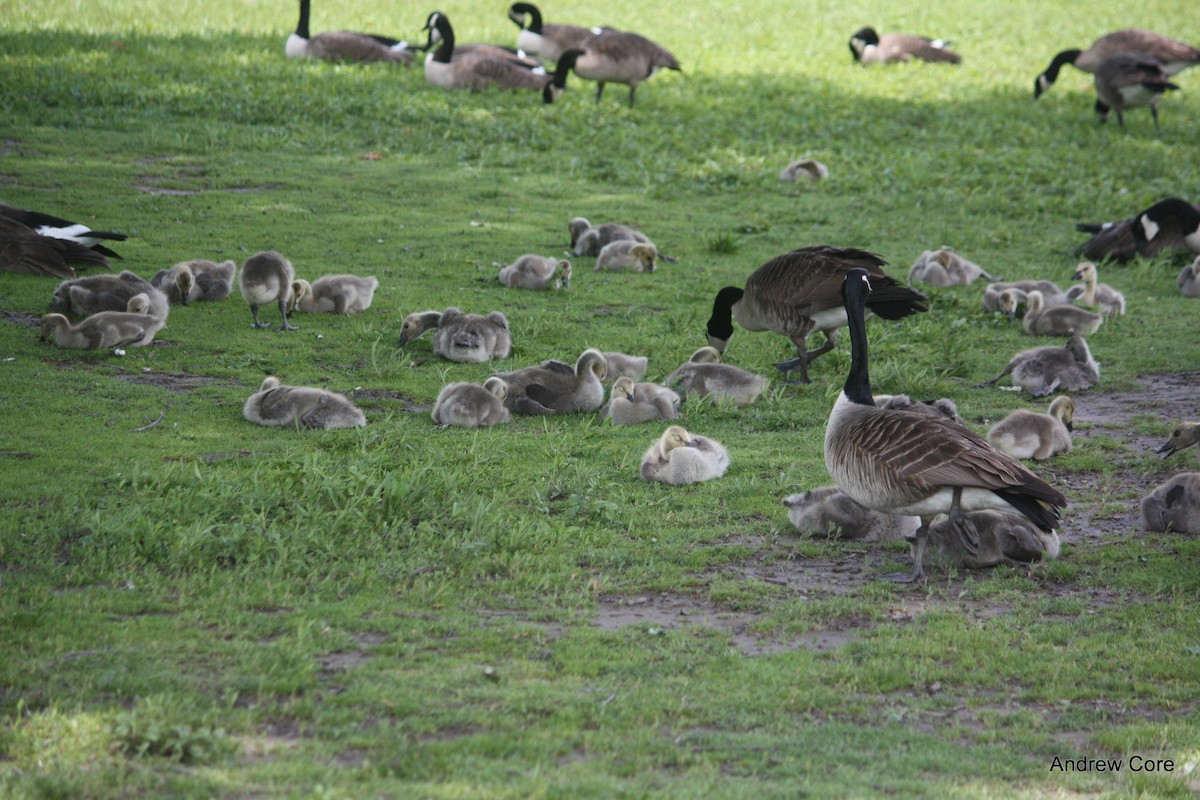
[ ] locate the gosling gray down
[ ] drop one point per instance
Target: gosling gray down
(1174, 56)
(870, 47)
(1045, 370)
(334, 294)
(1174, 505)
(469, 405)
(197, 279)
(464, 338)
(543, 39)
(1003, 539)
(609, 56)
(1185, 435)
(1030, 434)
(1169, 224)
(1130, 80)
(267, 278)
(703, 375)
(679, 458)
(83, 297)
(1093, 294)
(1189, 279)
(538, 273)
(944, 407)
(1043, 320)
(632, 403)
(278, 405)
(828, 511)
(799, 293)
(628, 255)
(553, 387)
(807, 168)
(105, 329)
(943, 267)
(1052, 295)
(350, 46)
(24, 250)
(589, 240)
(623, 364)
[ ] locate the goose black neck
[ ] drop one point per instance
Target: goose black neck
(1060, 61)
(855, 290)
(720, 324)
(445, 48)
(302, 25)
(535, 16)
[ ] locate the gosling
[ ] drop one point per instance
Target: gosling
(538, 273)
(469, 405)
(680, 458)
(626, 254)
(1185, 435)
(280, 406)
(1003, 539)
(634, 403)
(1041, 320)
(133, 327)
(828, 511)
(334, 294)
(703, 375)
(1029, 434)
(1174, 505)
(267, 278)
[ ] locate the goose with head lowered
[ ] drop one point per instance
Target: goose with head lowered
(362, 48)
(799, 293)
(106, 329)
(267, 278)
(334, 294)
(632, 403)
(1174, 505)
(1174, 56)
(610, 56)
(470, 405)
(543, 39)
(868, 46)
(914, 464)
(476, 67)
(538, 273)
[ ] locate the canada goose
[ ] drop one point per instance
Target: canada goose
(806, 168)
(1041, 320)
(1004, 538)
(362, 48)
(471, 338)
(1168, 224)
(610, 56)
(278, 405)
(1185, 435)
(703, 375)
(441, 34)
(106, 329)
(1175, 56)
(178, 283)
(680, 458)
(623, 365)
(475, 67)
(1174, 505)
(828, 511)
(1130, 80)
(267, 278)
(22, 249)
(1116, 241)
(1045, 370)
(627, 254)
(869, 47)
(64, 229)
(1029, 434)
(945, 407)
(553, 387)
(469, 405)
(589, 240)
(95, 293)
(1189, 279)
(1052, 295)
(1091, 294)
(337, 294)
(545, 40)
(798, 293)
(914, 464)
(538, 273)
(632, 403)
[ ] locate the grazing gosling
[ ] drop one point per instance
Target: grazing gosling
(1003, 539)
(589, 240)
(133, 327)
(469, 405)
(1189, 279)
(553, 387)
(680, 458)
(178, 283)
(538, 273)
(1029, 434)
(267, 278)
(1041, 320)
(628, 255)
(1174, 505)
(804, 168)
(1185, 435)
(632, 403)
(1045, 370)
(828, 511)
(1051, 294)
(278, 405)
(336, 294)
(464, 338)
(703, 375)
(91, 295)
(622, 364)
(1095, 295)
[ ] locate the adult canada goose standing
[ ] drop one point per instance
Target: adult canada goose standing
(679, 458)
(538, 273)
(334, 294)
(1174, 56)
(1189, 279)
(1174, 505)
(1030, 434)
(475, 67)
(95, 293)
(629, 255)
(703, 375)
(1185, 435)
(106, 329)
(921, 465)
(267, 278)
(362, 48)
(869, 47)
(542, 39)
(1045, 370)
(279, 405)
(553, 387)
(1170, 224)
(1093, 294)
(828, 511)
(65, 229)
(617, 57)
(632, 403)
(469, 405)
(23, 249)
(799, 293)
(1043, 320)
(1130, 80)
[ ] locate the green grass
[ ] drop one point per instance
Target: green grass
(208, 608)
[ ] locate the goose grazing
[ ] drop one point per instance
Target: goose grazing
(441, 33)
(1029, 434)
(1174, 56)
(178, 283)
(106, 329)
(1045, 370)
(869, 47)
(610, 56)
(542, 39)
(66, 230)
(623, 365)
(828, 511)
(475, 67)
(1095, 295)
(90, 295)
(703, 375)
(1010, 300)
(538, 273)
(1185, 435)
(334, 294)
(361, 48)
(944, 267)
(24, 250)
(798, 293)
(1041, 320)
(589, 240)
(680, 458)
(627, 254)
(914, 464)
(1167, 225)
(1051, 294)
(1174, 505)
(1003, 539)
(469, 405)
(1189, 279)
(267, 278)
(1130, 80)
(632, 403)
(281, 406)
(465, 338)
(553, 387)
(804, 168)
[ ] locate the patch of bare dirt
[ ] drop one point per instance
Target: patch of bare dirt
(21, 318)
(172, 381)
(388, 394)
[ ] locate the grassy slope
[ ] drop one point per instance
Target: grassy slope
(330, 600)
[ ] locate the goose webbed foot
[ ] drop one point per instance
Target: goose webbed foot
(918, 543)
(791, 365)
(286, 326)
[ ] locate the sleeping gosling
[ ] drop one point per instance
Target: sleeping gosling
(83, 297)
(703, 375)
(1003, 539)
(133, 327)
(680, 458)
(626, 254)
(1174, 505)
(1030, 434)
(828, 511)
(589, 240)
(623, 365)
(334, 294)
(1041, 320)
(632, 403)
(538, 273)
(469, 405)
(278, 405)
